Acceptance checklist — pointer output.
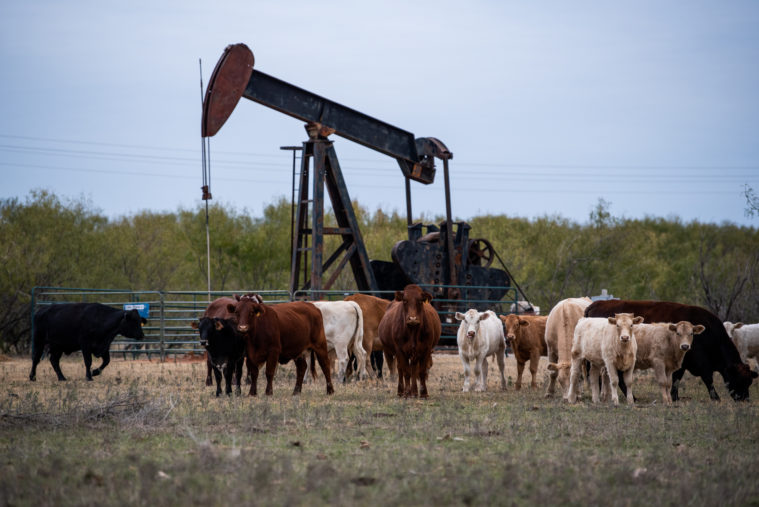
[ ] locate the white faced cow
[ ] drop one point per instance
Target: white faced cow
(480, 335)
(604, 342)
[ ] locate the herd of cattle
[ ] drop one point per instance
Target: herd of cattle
(604, 340)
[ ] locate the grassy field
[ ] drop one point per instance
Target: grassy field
(153, 434)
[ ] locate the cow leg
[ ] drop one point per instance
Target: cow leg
(209, 372)
(676, 376)
(217, 374)
(661, 378)
(321, 357)
(708, 380)
(553, 357)
(238, 375)
(414, 369)
(423, 382)
(614, 381)
(392, 365)
(520, 370)
(534, 360)
(360, 358)
(55, 357)
(593, 376)
(300, 371)
(106, 360)
(483, 377)
(229, 372)
(628, 377)
(499, 357)
(378, 358)
(271, 368)
(87, 355)
(467, 372)
(574, 380)
(36, 356)
(253, 373)
(342, 362)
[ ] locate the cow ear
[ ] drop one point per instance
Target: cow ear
(194, 324)
(672, 327)
(459, 316)
(426, 296)
(637, 320)
(738, 325)
(698, 329)
(612, 320)
(484, 316)
(218, 324)
(399, 295)
(231, 308)
(143, 321)
(259, 298)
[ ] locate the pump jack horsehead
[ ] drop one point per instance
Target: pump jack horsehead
(443, 257)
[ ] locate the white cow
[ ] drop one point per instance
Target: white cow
(344, 330)
(604, 342)
(480, 335)
(746, 339)
(560, 329)
(663, 347)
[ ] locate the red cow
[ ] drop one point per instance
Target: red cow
(410, 329)
(281, 333)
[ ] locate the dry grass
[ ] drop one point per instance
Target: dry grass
(153, 433)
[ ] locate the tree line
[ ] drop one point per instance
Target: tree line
(53, 242)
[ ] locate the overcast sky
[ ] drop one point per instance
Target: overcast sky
(547, 106)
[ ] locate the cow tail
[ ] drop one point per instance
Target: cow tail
(358, 333)
(313, 366)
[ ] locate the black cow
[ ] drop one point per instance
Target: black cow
(226, 350)
(89, 327)
(711, 351)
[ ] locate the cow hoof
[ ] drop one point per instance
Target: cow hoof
(96, 372)
(89, 379)
(32, 378)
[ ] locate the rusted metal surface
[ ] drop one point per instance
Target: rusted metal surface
(227, 84)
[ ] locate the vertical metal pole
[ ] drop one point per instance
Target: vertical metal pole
(317, 236)
(163, 328)
(408, 201)
(292, 198)
(449, 228)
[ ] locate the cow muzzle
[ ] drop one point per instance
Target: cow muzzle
(412, 321)
(685, 346)
(624, 339)
(243, 328)
(470, 335)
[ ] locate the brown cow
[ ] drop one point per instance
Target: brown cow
(527, 336)
(410, 330)
(281, 333)
(373, 309)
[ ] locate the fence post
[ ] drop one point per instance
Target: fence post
(163, 327)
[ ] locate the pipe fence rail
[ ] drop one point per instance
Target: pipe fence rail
(170, 313)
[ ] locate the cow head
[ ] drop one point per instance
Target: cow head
(246, 312)
(624, 323)
(413, 299)
(131, 325)
(683, 333)
(738, 378)
(730, 327)
(511, 325)
(470, 322)
(218, 337)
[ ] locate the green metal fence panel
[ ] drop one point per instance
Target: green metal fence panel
(171, 313)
